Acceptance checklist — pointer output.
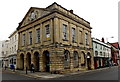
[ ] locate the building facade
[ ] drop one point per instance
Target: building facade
(115, 53)
(5, 52)
(1, 63)
(13, 47)
(55, 40)
(102, 53)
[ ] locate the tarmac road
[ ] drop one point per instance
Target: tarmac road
(106, 74)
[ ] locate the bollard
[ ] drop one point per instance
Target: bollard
(26, 70)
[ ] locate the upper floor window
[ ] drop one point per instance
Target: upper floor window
(30, 37)
(96, 53)
(104, 54)
(47, 32)
(2, 45)
(15, 47)
(64, 32)
(38, 35)
(15, 37)
(86, 39)
(2, 53)
(96, 45)
(101, 47)
(80, 35)
(100, 53)
(10, 50)
(73, 34)
(23, 40)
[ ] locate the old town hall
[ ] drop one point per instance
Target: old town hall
(54, 39)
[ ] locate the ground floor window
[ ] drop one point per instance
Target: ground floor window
(66, 59)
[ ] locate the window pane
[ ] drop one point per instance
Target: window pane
(38, 35)
(30, 37)
(23, 40)
(47, 32)
(64, 31)
(73, 34)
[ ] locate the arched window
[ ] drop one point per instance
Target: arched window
(83, 59)
(66, 59)
(75, 55)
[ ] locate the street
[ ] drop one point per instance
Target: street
(12, 76)
(105, 74)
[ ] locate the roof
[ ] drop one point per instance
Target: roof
(52, 8)
(100, 42)
(116, 45)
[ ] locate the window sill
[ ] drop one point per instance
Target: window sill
(66, 67)
(74, 42)
(81, 43)
(47, 40)
(64, 39)
(37, 42)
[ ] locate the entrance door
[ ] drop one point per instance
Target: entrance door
(28, 60)
(46, 61)
(22, 61)
(89, 63)
(36, 61)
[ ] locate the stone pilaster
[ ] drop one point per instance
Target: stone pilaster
(71, 61)
(41, 63)
(25, 62)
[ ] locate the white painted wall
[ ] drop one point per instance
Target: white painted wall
(105, 48)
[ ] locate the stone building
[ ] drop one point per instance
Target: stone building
(13, 47)
(55, 40)
(1, 63)
(102, 53)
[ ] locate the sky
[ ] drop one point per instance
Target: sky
(102, 15)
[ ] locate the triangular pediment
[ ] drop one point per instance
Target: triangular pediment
(33, 14)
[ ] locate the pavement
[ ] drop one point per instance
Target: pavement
(46, 75)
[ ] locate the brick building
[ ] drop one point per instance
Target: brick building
(115, 53)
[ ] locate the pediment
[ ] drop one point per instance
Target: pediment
(33, 14)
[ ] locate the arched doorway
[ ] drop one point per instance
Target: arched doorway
(21, 61)
(83, 59)
(88, 61)
(28, 60)
(46, 61)
(66, 59)
(36, 61)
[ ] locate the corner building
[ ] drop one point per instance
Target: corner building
(55, 40)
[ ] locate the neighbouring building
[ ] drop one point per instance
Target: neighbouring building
(5, 52)
(1, 63)
(115, 53)
(102, 53)
(55, 40)
(13, 47)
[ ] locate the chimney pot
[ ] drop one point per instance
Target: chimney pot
(71, 11)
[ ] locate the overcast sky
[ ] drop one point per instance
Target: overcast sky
(102, 15)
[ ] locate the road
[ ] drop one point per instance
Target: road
(106, 74)
(12, 76)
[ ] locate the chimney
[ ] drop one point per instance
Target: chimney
(103, 40)
(71, 11)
